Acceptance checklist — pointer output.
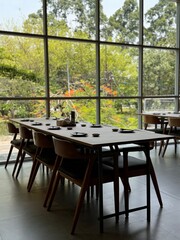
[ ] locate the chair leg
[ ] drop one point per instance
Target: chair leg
(9, 155)
(82, 193)
(88, 194)
(165, 147)
(126, 197)
(20, 163)
(155, 183)
(126, 183)
(78, 208)
(175, 145)
(129, 187)
(17, 161)
(116, 198)
(54, 189)
(161, 147)
(92, 191)
(33, 175)
(50, 187)
(97, 191)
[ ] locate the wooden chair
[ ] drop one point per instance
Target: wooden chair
(157, 125)
(174, 124)
(44, 155)
(152, 120)
(130, 166)
(81, 169)
(15, 143)
(27, 147)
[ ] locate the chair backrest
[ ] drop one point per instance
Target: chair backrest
(25, 133)
(66, 149)
(42, 140)
(151, 119)
(174, 122)
(12, 128)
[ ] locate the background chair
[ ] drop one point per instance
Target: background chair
(152, 120)
(157, 125)
(15, 143)
(26, 147)
(130, 166)
(174, 124)
(81, 169)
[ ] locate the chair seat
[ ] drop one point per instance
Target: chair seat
(47, 156)
(30, 149)
(16, 142)
(77, 168)
(133, 162)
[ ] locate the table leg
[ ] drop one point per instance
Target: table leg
(148, 187)
(101, 223)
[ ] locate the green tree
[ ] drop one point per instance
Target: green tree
(124, 23)
(161, 25)
(83, 12)
(159, 69)
(159, 65)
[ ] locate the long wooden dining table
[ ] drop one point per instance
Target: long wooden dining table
(83, 134)
(162, 115)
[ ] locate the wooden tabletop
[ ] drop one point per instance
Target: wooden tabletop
(162, 115)
(106, 134)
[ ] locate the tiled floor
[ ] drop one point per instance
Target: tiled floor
(22, 216)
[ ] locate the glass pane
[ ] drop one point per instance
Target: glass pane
(22, 108)
(119, 21)
(160, 23)
(159, 105)
(73, 19)
(159, 72)
(5, 139)
(21, 16)
(72, 69)
(119, 71)
(120, 113)
(22, 67)
(16, 109)
(85, 109)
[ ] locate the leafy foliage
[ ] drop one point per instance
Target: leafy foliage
(72, 64)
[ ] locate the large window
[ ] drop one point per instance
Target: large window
(107, 60)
